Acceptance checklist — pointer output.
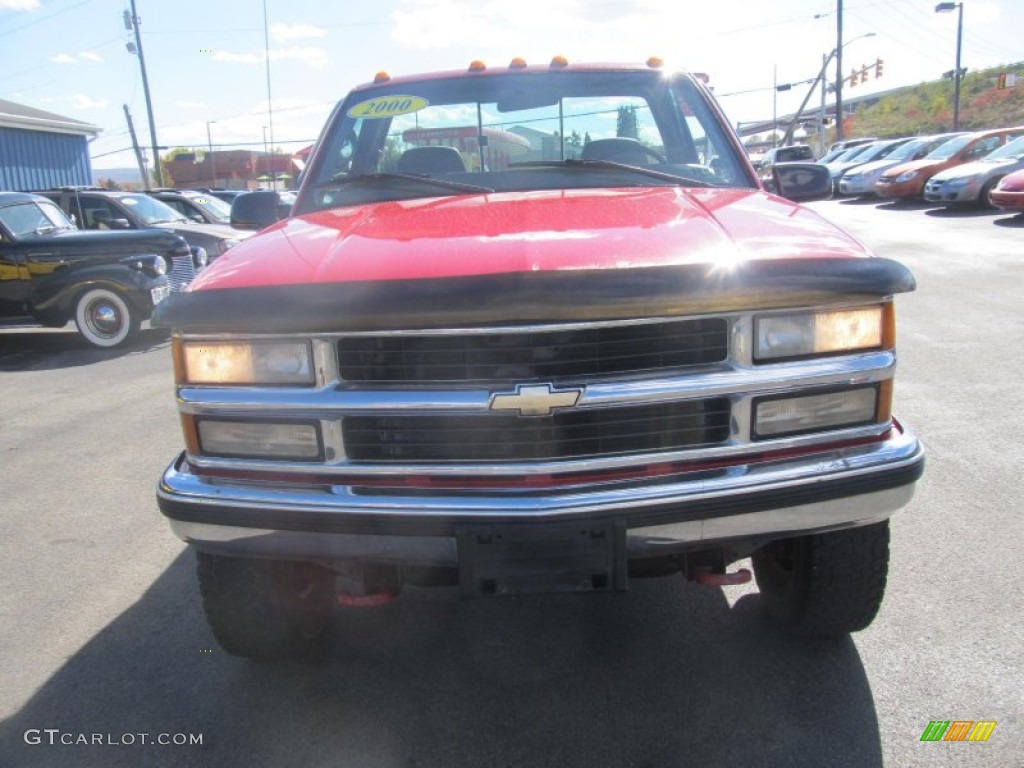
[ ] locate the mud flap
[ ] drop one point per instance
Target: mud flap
(532, 559)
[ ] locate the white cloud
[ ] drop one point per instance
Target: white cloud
(239, 58)
(82, 102)
(90, 56)
(63, 58)
(280, 32)
(19, 5)
(311, 55)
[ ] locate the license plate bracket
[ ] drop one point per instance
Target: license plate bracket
(542, 558)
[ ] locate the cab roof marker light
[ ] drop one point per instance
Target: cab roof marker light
(381, 77)
(559, 62)
(655, 62)
(477, 66)
(517, 63)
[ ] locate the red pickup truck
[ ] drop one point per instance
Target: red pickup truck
(535, 328)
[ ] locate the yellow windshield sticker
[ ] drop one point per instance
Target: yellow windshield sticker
(387, 106)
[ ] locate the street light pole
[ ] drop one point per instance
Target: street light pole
(213, 160)
(839, 70)
(133, 20)
(942, 8)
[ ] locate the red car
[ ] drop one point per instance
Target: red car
(535, 329)
(1009, 193)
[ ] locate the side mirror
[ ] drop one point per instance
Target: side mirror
(258, 210)
(801, 182)
(197, 218)
(119, 224)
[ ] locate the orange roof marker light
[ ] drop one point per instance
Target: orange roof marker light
(559, 61)
(517, 63)
(477, 66)
(381, 77)
(655, 62)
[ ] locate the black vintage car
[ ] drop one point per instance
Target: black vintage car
(107, 282)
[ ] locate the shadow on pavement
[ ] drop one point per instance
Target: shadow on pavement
(903, 205)
(961, 212)
(1010, 221)
(664, 675)
(31, 348)
(857, 200)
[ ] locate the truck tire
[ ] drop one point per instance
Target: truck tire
(105, 319)
(266, 609)
(824, 585)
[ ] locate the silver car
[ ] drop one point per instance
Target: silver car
(971, 182)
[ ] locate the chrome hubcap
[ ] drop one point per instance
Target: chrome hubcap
(104, 319)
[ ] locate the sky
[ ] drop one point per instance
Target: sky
(206, 61)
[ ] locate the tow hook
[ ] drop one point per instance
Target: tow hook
(709, 579)
(365, 585)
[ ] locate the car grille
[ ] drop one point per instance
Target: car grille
(575, 434)
(550, 355)
(183, 271)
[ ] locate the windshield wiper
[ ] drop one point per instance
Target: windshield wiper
(611, 165)
(387, 177)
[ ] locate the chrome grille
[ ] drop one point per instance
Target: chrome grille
(548, 354)
(182, 272)
(570, 434)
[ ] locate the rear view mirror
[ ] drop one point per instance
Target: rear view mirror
(801, 182)
(258, 210)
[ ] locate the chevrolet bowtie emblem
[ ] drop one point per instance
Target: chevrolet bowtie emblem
(535, 400)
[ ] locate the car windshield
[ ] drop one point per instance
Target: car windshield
(908, 150)
(150, 210)
(851, 153)
(1012, 151)
(521, 131)
(950, 148)
(218, 210)
(33, 219)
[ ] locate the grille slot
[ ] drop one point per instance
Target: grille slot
(551, 355)
(575, 434)
(182, 272)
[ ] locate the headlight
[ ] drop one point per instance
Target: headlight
(199, 256)
(228, 243)
(255, 362)
(258, 440)
(818, 333)
(906, 176)
(152, 263)
(790, 415)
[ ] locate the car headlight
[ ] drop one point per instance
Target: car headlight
(798, 414)
(154, 264)
(818, 333)
(259, 440)
(906, 176)
(240, 362)
(199, 256)
(228, 243)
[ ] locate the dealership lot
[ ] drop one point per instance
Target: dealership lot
(101, 630)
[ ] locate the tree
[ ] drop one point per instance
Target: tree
(625, 124)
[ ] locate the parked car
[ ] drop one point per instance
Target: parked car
(226, 195)
(842, 146)
(790, 154)
(107, 282)
(103, 209)
(971, 183)
(876, 150)
(484, 364)
(861, 180)
(907, 181)
(1008, 194)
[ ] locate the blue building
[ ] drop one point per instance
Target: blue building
(40, 150)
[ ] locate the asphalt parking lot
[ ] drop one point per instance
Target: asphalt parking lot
(102, 632)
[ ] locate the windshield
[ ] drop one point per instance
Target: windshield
(522, 131)
(950, 148)
(1012, 151)
(908, 150)
(31, 219)
(214, 206)
(150, 210)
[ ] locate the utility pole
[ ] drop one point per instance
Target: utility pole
(839, 70)
(270, 105)
(821, 111)
(131, 22)
(213, 160)
(135, 146)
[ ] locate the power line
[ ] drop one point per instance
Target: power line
(44, 18)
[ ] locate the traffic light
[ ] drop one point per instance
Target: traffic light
(879, 67)
(853, 78)
(863, 73)
(1001, 85)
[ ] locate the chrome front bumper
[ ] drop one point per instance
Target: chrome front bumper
(769, 499)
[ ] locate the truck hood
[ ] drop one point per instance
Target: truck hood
(529, 232)
(531, 257)
(118, 241)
